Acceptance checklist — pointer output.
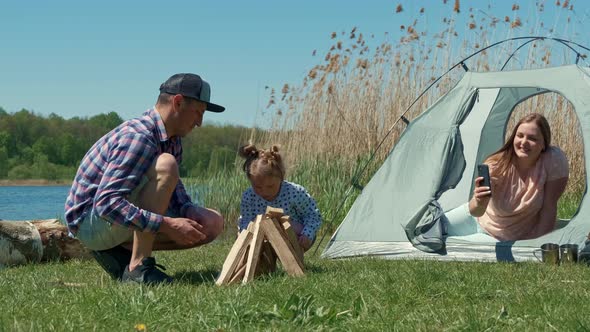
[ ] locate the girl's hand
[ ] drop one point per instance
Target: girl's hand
(304, 242)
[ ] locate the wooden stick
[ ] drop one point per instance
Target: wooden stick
(293, 238)
(282, 247)
(274, 212)
(240, 270)
(233, 258)
(255, 249)
(268, 259)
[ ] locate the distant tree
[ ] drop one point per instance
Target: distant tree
(4, 166)
(33, 146)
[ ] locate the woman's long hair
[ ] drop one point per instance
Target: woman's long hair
(505, 156)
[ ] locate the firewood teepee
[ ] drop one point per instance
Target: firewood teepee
(257, 248)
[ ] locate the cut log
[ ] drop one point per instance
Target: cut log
(57, 245)
(24, 242)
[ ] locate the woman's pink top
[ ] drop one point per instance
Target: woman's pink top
(514, 209)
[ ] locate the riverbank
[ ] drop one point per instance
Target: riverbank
(34, 182)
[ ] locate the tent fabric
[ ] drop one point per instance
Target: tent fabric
(431, 170)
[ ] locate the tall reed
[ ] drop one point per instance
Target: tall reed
(347, 103)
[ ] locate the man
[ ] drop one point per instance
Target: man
(127, 198)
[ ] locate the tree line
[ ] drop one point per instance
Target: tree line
(33, 146)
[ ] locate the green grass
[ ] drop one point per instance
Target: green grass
(360, 294)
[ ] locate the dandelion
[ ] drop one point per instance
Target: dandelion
(140, 327)
(398, 9)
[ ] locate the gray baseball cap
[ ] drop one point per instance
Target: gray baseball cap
(192, 86)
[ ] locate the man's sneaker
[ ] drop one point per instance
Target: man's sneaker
(147, 273)
(113, 260)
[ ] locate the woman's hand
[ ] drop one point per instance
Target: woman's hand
(480, 200)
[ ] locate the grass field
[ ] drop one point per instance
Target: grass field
(360, 295)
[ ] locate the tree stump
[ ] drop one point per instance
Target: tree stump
(34, 241)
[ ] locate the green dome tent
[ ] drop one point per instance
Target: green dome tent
(431, 169)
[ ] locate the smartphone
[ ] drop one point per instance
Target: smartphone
(484, 171)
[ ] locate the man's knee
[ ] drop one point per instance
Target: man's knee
(213, 225)
(165, 170)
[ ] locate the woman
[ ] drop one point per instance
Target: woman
(528, 176)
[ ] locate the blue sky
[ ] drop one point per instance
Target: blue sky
(81, 58)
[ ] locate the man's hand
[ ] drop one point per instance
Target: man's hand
(183, 231)
(304, 242)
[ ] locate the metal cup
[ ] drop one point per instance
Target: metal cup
(549, 253)
(568, 253)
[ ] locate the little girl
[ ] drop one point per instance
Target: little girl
(266, 172)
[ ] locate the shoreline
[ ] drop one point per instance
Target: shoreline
(34, 182)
